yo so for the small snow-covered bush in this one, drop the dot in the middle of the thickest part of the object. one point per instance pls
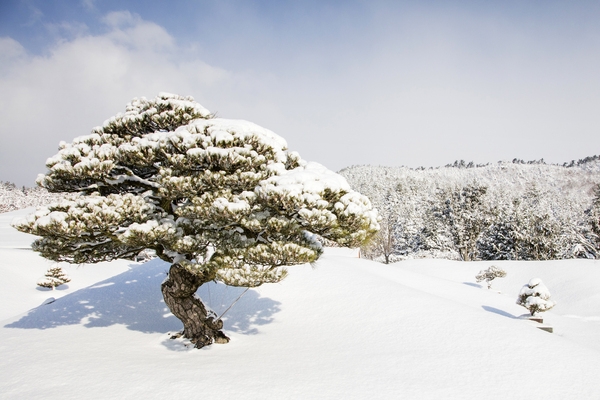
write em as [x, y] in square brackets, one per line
[535, 297]
[53, 278]
[490, 274]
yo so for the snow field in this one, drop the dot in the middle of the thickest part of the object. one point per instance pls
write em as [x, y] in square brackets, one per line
[346, 328]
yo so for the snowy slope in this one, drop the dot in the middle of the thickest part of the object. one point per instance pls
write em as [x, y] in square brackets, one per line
[348, 328]
[21, 268]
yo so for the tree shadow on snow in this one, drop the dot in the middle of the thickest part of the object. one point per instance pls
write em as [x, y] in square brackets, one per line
[243, 316]
[498, 311]
[134, 299]
[472, 284]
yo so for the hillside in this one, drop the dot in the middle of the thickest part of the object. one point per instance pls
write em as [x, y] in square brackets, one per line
[503, 211]
[348, 328]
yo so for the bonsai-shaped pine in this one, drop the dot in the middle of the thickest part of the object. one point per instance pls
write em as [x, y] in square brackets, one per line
[535, 297]
[490, 274]
[218, 199]
[53, 278]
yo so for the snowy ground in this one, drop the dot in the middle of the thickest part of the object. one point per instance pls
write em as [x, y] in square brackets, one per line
[347, 329]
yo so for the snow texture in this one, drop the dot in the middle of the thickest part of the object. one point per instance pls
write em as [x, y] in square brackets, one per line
[346, 328]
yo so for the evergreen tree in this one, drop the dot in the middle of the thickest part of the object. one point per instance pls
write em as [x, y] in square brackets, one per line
[53, 278]
[497, 242]
[538, 232]
[218, 199]
[464, 214]
[435, 235]
[410, 207]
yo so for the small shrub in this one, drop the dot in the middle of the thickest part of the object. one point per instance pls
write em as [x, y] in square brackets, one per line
[53, 278]
[490, 274]
[535, 297]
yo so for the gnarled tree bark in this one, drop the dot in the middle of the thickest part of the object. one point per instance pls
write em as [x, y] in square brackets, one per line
[200, 326]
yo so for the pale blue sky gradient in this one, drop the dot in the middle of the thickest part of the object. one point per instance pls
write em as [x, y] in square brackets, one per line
[353, 82]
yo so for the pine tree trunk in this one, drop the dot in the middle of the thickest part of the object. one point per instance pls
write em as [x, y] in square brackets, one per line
[200, 326]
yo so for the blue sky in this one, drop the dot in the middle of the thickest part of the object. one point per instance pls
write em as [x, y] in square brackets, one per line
[344, 82]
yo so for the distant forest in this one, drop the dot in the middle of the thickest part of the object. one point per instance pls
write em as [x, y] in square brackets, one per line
[14, 198]
[505, 211]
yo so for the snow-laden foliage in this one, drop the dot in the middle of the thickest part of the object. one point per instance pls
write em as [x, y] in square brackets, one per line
[535, 297]
[53, 278]
[224, 198]
[504, 211]
[490, 274]
[14, 198]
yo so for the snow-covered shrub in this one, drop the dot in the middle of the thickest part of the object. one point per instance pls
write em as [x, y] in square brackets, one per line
[535, 297]
[490, 274]
[53, 278]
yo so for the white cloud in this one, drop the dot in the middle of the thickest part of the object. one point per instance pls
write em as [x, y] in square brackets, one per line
[11, 52]
[65, 31]
[83, 81]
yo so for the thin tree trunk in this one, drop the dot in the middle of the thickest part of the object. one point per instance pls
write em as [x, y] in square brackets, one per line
[200, 326]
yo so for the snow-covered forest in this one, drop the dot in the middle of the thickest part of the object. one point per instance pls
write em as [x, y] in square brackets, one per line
[15, 198]
[506, 211]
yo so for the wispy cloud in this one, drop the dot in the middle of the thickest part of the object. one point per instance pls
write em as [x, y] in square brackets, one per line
[35, 14]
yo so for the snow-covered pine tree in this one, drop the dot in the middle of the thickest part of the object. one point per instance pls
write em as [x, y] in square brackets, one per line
[463, 212]
[53, 278]
[535, 297]
[490, 274]
[410, 205]
[538, 232]
[435, 236]
[497, 241]
[218, 199]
